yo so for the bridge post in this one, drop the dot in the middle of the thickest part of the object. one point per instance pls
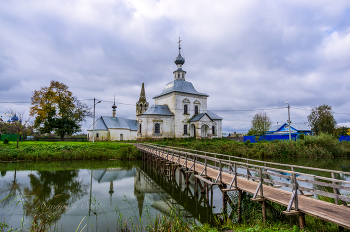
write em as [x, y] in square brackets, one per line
[195, 187]
[302, 221]
[239, 206]
[220, 172]
[248, 170]
[187, 175]
[335, 190]
[235, 173]
[263, 203]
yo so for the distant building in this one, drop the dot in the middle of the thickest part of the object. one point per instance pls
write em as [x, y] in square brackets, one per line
[113, 128]
[294, 129]
[14, 119]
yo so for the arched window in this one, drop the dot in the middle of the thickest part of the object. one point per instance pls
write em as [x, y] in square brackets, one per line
[185, 109]
[178, 75]
[140, 129]
[213, 129]
[185, 129]
[141, 108]
[196, 110]
[157, 128]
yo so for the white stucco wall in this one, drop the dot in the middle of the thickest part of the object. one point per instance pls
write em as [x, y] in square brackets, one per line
[148, 126]
[113, 134]
[175, 102]
[99, 135]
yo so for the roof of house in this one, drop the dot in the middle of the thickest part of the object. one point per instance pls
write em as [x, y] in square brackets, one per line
[107, 122]
[158, 110]
[295, 127]
[181, 86]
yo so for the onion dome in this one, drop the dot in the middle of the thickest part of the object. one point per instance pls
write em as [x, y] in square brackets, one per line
[179, 59]
[14, 119]
[114, 107]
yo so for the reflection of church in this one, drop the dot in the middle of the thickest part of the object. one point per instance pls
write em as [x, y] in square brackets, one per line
[144, 188]
[179, 111]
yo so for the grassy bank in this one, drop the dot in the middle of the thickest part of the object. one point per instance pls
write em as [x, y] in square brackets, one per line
[40, 151]
[251, 220]
[311, 147]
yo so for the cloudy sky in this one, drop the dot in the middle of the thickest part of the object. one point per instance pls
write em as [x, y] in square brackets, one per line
[250, 56]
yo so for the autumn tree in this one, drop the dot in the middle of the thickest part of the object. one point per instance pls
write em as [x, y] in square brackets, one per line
[321, 119]
[260, 124]
[56, 110]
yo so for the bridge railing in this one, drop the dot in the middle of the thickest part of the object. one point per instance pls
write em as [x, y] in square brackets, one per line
[261, 173]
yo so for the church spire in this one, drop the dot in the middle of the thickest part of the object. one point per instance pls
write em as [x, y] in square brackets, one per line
[142, 104]
[142, 94]
[114, 107]
[179, 74]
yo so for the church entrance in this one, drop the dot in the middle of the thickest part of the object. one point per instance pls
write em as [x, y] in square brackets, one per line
[204, 131]
[193, 130]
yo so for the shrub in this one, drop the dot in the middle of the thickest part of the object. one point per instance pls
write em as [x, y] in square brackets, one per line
[6, 141]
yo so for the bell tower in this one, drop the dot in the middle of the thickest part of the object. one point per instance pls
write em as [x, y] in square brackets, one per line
[114, 107]
[179, 73]
[142, 104]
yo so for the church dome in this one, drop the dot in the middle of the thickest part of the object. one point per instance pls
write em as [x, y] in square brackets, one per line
[14, 119]
[179, 59]
[181, 86]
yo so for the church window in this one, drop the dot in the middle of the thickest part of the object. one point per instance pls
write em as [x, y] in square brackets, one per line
[185, 109]
[141, 108]
[213, 128]
[96, 135]
[140, 129]
[178, 75]
[185, 129]
[196, 110]
[157, 128]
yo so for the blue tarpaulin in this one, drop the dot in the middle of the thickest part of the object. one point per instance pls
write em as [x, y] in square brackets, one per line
[344, 138]
[270, 137]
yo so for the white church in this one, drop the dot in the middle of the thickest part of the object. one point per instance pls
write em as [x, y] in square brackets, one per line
[179, 111]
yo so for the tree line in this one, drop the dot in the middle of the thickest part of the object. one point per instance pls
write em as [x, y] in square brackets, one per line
[321, 120]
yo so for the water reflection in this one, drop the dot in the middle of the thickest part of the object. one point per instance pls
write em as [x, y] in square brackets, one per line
[51, 194]
[61, 199]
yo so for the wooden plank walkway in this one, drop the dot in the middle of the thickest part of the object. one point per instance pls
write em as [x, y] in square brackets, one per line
[337, 214]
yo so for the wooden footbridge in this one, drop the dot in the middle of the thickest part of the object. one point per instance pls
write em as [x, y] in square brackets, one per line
[261, 179]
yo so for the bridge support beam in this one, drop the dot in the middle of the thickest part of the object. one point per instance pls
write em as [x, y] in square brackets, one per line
[302, 221]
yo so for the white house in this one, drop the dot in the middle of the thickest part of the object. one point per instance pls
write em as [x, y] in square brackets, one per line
[113, 128]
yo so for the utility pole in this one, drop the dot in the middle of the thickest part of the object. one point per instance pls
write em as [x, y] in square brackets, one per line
[93, 123]
[290, 137]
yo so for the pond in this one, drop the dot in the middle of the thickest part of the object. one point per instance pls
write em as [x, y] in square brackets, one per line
[68, 197]
[102, 195]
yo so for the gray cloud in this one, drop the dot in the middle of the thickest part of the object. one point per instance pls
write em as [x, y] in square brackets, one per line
[245, 55]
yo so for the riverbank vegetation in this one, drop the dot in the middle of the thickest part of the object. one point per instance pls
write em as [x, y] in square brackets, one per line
[250, 220]
[40, 151]
[320, 146]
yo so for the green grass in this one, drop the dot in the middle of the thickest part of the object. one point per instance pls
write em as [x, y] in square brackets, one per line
[311, 147]
[41, 151]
